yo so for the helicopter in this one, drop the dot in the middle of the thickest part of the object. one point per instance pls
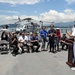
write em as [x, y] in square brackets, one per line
[28, 25]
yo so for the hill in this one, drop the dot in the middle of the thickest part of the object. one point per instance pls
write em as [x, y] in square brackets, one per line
[61, 24]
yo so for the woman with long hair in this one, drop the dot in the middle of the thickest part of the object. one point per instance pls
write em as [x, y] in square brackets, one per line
[4, 36]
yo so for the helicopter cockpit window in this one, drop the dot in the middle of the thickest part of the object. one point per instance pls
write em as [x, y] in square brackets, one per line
[19, 26]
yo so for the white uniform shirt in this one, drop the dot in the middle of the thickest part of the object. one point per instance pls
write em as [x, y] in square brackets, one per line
[23, 39]
[73, 33]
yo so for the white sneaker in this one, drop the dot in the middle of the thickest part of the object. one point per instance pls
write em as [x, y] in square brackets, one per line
[20, 50]
[73, 68]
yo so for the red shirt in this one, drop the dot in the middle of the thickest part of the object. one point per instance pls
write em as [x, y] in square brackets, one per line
[58, 34]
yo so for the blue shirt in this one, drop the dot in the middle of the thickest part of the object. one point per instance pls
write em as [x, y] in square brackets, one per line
[43, 32]
[33, 38]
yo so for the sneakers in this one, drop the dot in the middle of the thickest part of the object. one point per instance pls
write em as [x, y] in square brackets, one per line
[20, 50]
[73, 68]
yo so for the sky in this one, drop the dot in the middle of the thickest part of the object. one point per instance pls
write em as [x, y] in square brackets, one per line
[45, 10]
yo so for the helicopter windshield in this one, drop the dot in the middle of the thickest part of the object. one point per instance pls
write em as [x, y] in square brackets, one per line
[19, 26]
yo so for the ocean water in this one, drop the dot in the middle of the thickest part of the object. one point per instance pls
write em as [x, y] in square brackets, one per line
[64, 31]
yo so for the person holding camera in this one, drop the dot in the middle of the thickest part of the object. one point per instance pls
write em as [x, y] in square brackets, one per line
[51, 35]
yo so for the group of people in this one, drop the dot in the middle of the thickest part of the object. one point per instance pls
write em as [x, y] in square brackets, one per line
[52, 37]
[55, 38]
[21, 41]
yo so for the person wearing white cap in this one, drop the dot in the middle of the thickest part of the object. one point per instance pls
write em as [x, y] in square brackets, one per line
[58, 36]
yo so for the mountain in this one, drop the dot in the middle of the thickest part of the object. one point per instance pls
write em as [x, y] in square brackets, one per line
[65, 24]
[62, 24]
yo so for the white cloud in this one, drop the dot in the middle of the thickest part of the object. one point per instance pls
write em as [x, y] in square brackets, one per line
[67, 15]
[14, 2]
[7, 19]
[4, 19]
[70, 1]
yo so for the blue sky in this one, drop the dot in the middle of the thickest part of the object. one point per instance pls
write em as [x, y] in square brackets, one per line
[47, 10]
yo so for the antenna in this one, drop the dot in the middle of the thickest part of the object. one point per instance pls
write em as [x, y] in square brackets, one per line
[19, 19]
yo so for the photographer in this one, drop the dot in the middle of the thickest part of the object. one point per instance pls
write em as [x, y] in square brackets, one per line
[51, 35]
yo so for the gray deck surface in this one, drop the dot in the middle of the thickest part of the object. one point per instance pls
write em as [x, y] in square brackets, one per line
[43, 63]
